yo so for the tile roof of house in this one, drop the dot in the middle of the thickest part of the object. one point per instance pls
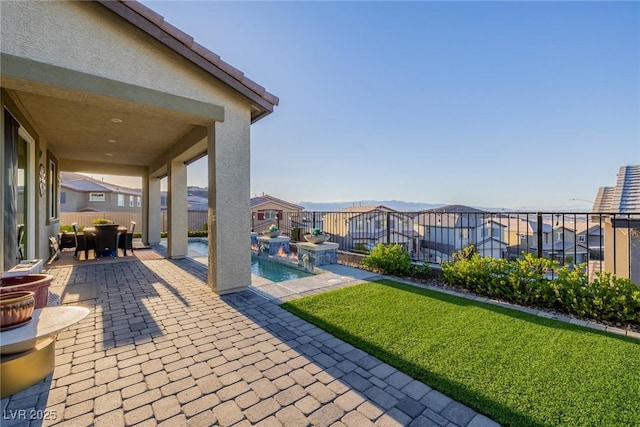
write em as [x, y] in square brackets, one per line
[84, 183]
[369, 208]
[454, 209]
[154, 24]
[624, 197]
[265, 198]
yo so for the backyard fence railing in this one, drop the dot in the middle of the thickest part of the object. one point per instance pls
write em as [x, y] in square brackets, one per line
[603, 241]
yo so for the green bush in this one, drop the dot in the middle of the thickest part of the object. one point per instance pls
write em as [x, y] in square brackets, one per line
[420, 271]
[66, 229]
[524, 281]
[389, 259]
[197, 233]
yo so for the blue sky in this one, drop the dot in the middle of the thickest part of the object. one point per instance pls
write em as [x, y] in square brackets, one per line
[502, 104]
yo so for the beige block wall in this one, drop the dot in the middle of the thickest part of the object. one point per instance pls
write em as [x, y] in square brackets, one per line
[620, 263]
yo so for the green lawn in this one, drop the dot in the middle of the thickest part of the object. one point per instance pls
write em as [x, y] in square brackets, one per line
[518, 369]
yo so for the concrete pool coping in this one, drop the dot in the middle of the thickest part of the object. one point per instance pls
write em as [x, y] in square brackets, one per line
[331, 276]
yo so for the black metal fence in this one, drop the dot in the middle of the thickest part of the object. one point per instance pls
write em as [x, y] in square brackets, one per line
[604, 241]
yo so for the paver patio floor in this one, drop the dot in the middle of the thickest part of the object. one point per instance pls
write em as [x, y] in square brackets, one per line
[159, 348]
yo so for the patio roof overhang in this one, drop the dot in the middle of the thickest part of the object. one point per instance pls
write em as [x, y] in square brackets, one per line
[105, 126]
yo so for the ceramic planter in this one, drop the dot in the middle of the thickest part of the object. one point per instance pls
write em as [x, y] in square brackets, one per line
[316, 238]
[36, 283]
[15, 309]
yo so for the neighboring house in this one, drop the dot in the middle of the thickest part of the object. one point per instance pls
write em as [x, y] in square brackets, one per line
[620, 206]
[79, 193]
[364, 227]
[569, 243]
[267, 210]
[110, 87]
[448, 229]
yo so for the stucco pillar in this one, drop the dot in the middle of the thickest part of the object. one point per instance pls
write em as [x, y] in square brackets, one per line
[229, 219]
[151, 219]
[177, 210]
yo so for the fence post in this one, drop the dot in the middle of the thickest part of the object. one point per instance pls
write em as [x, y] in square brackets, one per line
[314, 220]
[539, 221]
[388, 228]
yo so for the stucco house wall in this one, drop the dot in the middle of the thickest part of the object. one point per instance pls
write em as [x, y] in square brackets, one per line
[87, 37]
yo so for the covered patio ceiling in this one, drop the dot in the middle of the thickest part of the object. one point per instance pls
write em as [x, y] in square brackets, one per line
[104, 126]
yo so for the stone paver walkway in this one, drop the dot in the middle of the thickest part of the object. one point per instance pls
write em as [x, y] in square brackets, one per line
[159, 348]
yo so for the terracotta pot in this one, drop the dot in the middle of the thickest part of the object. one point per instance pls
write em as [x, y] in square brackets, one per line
[36, 283]
[15, 308]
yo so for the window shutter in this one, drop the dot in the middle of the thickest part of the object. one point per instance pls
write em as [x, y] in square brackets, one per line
[279, 214]
[260, 215]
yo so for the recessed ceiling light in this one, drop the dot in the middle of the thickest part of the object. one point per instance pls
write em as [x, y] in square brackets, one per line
[108, 154]
[116, 120]
[112, 140]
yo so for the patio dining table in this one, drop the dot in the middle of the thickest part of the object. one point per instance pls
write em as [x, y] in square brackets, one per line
[88, 235]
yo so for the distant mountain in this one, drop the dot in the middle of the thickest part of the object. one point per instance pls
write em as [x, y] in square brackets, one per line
[393, 204]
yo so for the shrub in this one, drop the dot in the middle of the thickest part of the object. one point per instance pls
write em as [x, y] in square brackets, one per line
[420, 271]
[607, 297]
[524, 281]
[389, 259]
[197, 233]
[66, 229]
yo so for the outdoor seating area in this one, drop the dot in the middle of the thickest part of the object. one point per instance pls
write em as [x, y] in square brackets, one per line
[104, 240]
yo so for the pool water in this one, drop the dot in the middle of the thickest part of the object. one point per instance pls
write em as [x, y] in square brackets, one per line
[273, 271]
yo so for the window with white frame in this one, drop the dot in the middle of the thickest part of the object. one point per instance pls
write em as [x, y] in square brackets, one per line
[464, 233]
[523, 236]
[359, 224]
[96, 197]
[120, 199]
[130, 201]
[560, 236]
[582, 238]
[270, 214]
[138, 201]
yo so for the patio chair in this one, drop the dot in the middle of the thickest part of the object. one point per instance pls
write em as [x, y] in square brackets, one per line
[107, 240]
[126, 239]
[83, 242]
[20, 241]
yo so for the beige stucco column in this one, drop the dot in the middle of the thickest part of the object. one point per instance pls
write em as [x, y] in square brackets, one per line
[177, 210]
[151, 219]
[229, 222]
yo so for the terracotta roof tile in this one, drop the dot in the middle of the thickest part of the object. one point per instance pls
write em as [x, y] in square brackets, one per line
[176, 32]
[143, 10]
[197, 48]
[205, 53]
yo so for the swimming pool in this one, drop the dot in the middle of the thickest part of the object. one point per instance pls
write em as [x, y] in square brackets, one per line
[275, 271]
[270, 270]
